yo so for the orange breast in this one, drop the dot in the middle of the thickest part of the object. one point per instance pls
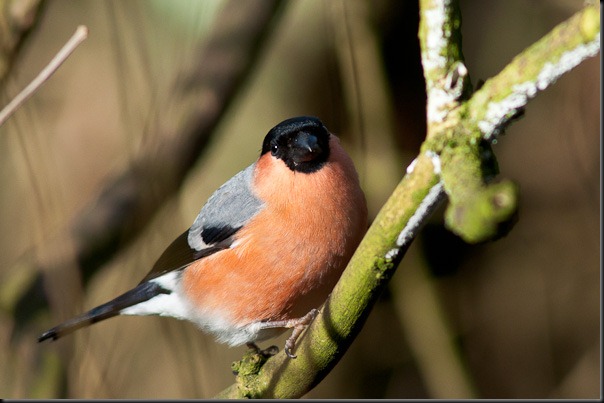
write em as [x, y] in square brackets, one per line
[287, 259]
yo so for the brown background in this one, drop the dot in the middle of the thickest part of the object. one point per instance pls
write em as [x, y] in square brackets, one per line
[522, 313]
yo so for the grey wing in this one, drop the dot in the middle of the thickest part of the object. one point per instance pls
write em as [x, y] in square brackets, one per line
[226, 211]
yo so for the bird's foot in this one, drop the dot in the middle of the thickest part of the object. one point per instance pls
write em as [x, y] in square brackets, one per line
[298, 324]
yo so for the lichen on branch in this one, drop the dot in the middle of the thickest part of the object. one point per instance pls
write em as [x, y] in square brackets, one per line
[456, 159]
[478, 210]
[502, 97]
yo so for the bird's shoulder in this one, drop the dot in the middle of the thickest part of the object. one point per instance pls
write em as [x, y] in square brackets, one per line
[229, 208]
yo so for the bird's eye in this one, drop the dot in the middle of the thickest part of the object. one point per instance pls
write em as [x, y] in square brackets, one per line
[274, 148]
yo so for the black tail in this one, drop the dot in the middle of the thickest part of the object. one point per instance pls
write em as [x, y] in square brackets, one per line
[141, 293]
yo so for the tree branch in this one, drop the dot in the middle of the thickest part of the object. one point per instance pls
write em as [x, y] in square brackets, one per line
[480, 210]
[76, 39]
[446, 76]
[450, 143]
[503, 97]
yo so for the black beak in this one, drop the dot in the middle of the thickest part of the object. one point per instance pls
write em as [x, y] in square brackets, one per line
[306, 147]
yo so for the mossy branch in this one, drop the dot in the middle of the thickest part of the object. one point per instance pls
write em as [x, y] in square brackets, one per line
[480, 210]
[503, 97]
[452, 160]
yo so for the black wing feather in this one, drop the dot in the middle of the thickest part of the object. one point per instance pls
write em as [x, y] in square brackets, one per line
[215, 235]
[179, 255]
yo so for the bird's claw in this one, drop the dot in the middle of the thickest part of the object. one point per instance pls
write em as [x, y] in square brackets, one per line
[299, 327]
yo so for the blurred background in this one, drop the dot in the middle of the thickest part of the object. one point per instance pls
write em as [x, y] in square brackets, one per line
[113, 158]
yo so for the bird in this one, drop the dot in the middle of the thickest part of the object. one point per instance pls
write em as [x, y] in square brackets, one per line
[265, 250]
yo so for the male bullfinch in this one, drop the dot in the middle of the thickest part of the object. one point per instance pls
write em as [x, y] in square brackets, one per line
[265, 250]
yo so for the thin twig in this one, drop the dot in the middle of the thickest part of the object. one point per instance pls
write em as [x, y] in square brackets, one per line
[78, 37]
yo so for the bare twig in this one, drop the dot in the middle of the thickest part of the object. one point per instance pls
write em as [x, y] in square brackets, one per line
[77, 38]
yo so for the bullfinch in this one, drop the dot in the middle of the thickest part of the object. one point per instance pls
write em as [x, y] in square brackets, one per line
[265, 250]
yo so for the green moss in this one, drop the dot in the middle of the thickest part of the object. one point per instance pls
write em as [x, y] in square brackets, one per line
[246, 371]
[382, 266]
[417, 197]
[488, 214]
[477, 210]
[590, 23]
